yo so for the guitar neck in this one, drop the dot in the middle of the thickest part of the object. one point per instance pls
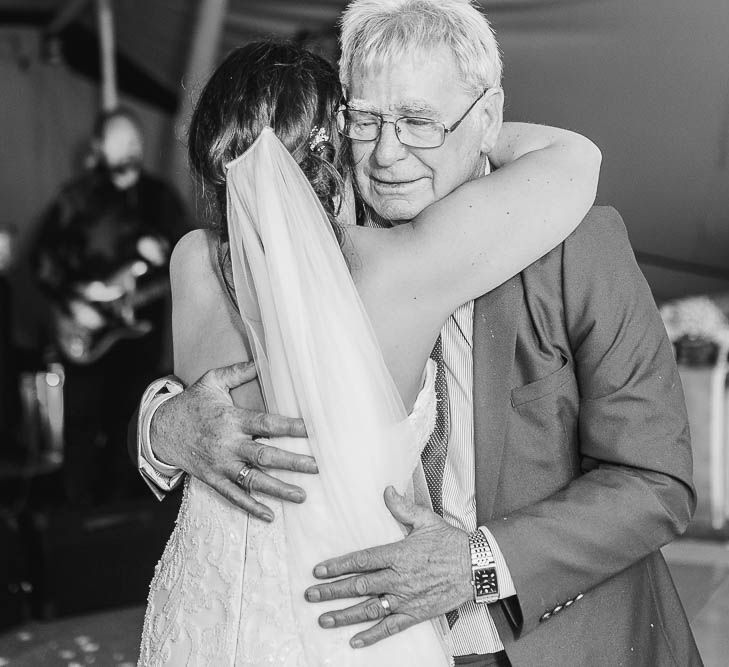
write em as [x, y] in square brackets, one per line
[149, 293]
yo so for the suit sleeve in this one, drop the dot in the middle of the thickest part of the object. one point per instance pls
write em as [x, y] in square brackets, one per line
[635, 493]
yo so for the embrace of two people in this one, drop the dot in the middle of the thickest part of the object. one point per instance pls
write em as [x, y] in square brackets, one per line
[464, 439]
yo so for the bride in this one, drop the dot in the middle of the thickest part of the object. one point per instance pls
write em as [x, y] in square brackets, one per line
[340, 320]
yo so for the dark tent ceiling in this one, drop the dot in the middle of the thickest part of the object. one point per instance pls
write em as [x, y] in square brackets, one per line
[153, 36]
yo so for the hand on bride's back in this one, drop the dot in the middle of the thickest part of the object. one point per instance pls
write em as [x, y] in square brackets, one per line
[202, 432]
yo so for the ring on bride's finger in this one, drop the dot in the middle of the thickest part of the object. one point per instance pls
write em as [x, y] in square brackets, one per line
[385, 604]
[240, 478]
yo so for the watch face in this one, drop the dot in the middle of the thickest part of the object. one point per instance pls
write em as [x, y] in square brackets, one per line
[485, 581]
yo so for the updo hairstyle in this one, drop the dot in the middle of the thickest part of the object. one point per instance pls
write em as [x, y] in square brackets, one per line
[267, 84]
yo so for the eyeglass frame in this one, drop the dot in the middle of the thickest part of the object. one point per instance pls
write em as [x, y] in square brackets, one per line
[446, 130]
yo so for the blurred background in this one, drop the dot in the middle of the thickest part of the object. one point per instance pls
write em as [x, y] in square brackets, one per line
[648, 81]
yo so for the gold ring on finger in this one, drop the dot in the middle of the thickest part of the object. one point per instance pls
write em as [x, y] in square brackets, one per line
[385, 604]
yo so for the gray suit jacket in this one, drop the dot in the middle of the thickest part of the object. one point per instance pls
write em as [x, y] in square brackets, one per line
[583, 456]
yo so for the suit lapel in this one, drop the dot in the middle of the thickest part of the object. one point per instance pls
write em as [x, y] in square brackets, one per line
[495, 317]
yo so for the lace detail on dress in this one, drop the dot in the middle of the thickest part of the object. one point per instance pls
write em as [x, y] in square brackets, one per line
[220, 593]
[194, 599]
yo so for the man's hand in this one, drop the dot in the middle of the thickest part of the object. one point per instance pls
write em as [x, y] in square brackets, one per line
[202, 432]
[424, 575]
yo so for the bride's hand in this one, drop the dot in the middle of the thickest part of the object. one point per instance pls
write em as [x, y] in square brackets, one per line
[426, 574]
[202, 432]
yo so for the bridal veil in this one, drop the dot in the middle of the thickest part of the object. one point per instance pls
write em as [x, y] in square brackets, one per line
[318, 358]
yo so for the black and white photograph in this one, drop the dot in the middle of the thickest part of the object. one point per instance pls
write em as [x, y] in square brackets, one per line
[364, 333]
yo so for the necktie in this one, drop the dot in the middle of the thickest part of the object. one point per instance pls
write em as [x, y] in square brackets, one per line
[434, 453]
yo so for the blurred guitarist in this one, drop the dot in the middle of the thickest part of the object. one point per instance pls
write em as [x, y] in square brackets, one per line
[102, 258]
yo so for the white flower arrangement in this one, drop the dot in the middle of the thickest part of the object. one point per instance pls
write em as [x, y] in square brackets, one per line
[695, 317]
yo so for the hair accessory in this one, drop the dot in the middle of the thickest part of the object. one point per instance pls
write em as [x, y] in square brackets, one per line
[317, 137]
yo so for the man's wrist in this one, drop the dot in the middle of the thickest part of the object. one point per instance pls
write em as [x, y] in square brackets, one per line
[154, 442]
[156, 428]
[463, 582]
[160, 476]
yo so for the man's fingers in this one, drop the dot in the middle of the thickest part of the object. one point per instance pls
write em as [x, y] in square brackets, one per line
[388, 626]
[352, 587]
[367, 560]
[261, 482]
[230, 377]
[369, 610]
[237, 496]
[272, 426]
[267, 456]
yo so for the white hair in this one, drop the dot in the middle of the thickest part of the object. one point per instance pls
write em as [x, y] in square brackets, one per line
[379, 31]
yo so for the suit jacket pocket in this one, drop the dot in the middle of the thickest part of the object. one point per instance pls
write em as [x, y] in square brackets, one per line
[542, 444]
[543, 386]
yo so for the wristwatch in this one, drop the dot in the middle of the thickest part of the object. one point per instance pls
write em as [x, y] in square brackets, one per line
[483, 569]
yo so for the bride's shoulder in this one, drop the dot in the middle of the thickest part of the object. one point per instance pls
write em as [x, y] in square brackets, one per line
[194, 258]
[193, 264]
[206, 328]
[194, 251]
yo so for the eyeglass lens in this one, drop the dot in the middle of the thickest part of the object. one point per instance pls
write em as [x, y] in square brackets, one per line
[366, 126]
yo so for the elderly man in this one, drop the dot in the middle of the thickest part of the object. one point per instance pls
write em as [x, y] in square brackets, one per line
[568, 460]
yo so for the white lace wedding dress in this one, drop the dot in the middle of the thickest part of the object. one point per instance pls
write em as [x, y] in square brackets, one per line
[229, 589]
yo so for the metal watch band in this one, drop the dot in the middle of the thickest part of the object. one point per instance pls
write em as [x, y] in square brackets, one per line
[483, 569]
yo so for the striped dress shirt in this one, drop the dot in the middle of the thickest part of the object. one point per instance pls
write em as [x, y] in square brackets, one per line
[474, 631]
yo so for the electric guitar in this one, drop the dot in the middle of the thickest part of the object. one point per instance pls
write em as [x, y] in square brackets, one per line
[100, 313]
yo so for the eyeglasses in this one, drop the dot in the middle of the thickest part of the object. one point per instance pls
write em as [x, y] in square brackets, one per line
[410, 131]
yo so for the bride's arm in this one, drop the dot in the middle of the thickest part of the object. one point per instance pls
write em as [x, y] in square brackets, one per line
[515, 140]
[491, 228]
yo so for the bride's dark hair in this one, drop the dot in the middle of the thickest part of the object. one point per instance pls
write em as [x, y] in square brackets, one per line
[267, 84]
